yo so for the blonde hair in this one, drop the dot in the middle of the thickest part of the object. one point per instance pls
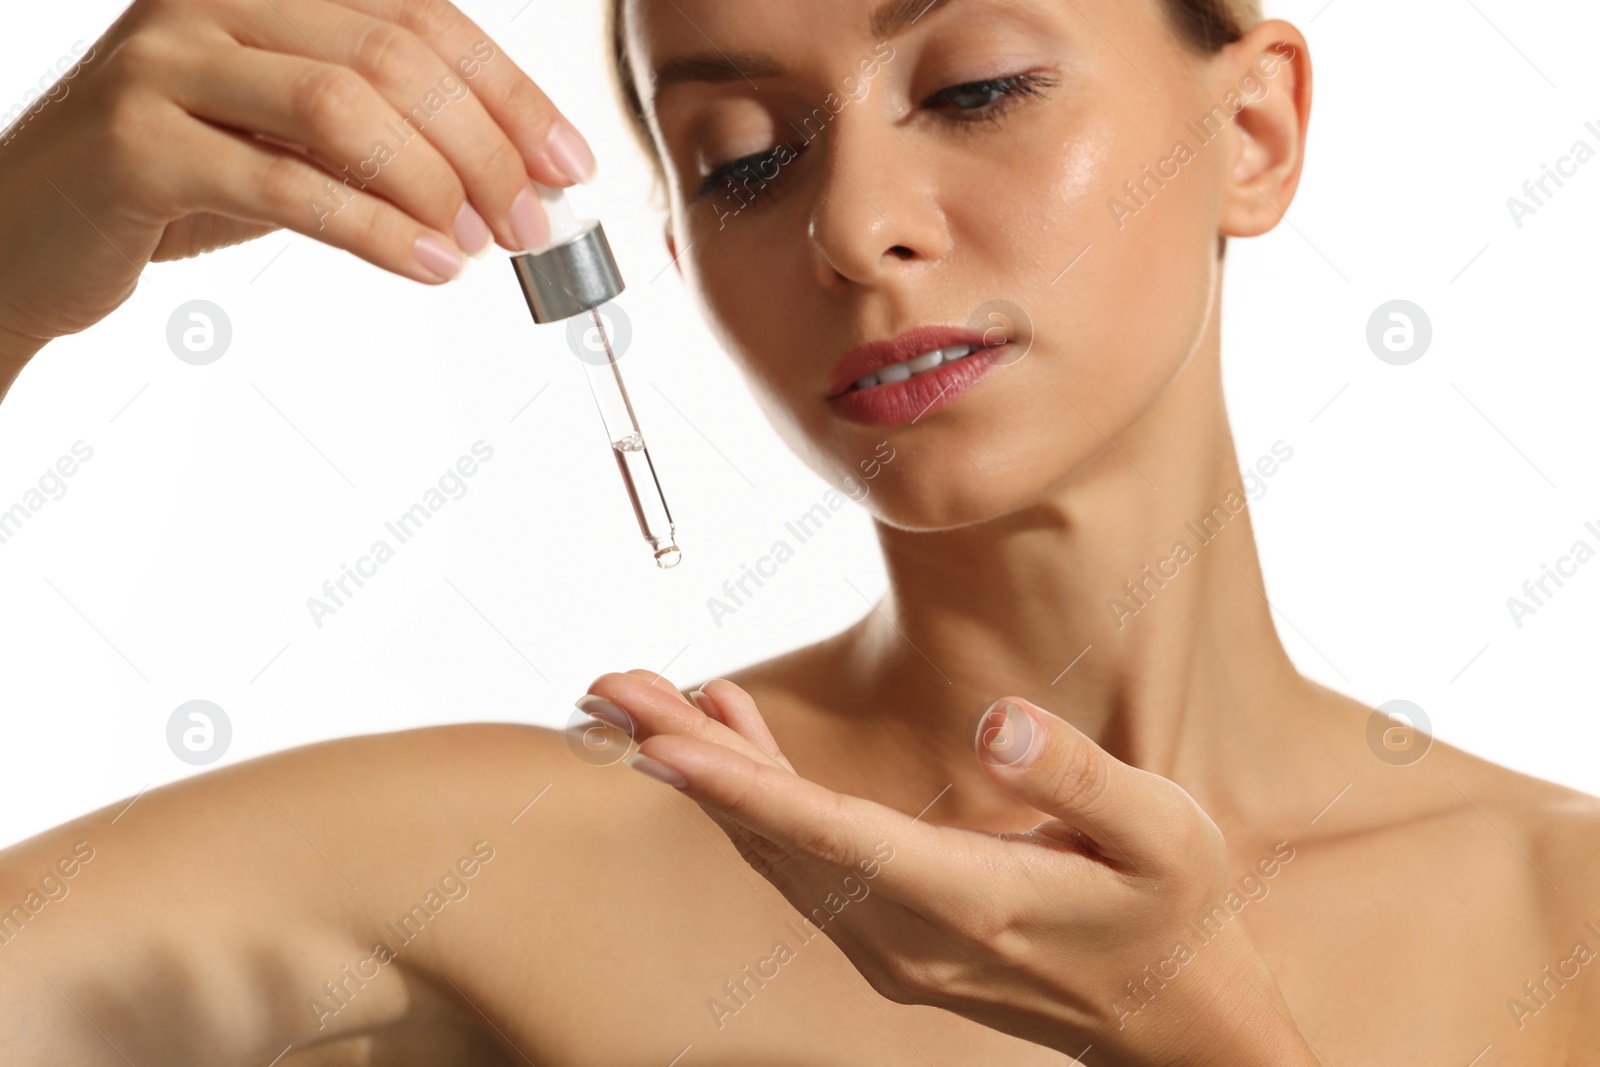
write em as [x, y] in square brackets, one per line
[1204, 25]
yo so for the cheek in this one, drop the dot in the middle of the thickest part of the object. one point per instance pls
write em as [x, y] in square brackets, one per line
[746, 319]
[1121, 322]
[751, 294]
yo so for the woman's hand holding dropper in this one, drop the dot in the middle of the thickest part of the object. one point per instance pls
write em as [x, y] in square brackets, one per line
[394, 129]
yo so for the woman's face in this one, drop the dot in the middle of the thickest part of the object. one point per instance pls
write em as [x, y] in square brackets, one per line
[844, 171]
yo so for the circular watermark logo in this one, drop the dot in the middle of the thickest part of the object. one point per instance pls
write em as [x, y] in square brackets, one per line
[1399, 333]
[583, 336]
[199, 732]
[601, 738]
[1005, 735]
[1399, 733]
[1007, 331]
[199, 332]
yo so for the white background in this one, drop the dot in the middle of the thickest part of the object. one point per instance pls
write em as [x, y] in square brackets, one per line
[219, 498]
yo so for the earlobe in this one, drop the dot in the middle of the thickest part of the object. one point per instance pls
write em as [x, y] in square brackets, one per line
[1270, 67]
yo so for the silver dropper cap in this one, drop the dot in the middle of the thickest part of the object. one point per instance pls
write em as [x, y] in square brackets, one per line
[573, 277]
[577, 275]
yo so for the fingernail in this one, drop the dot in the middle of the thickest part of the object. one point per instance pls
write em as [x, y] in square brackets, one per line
[529, 225]
[471, 232]
[604, 710]
[438, 257]
[1007, 736]
[656, 769]
[707, 706]
[570, 152]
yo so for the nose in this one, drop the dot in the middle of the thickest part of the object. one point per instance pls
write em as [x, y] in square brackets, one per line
[876, 215]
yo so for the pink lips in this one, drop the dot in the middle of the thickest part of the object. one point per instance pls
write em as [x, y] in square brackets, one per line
[897, 403]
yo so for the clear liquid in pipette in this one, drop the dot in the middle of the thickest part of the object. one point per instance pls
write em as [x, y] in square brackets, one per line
[633, 460]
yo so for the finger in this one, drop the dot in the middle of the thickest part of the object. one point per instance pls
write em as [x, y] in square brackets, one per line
[552, 149]
[810, 825]
[430, 103]
[656, 679]
[734, 708]
[245, 178]
[616, 716]
[699, 699]
[342, 121]
[1131, 816]
[646, 709]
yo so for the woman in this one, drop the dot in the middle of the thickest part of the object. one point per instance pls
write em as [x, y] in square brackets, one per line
[1206, 859]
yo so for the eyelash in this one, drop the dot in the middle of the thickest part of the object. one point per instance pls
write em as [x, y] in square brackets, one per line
[1012, 90]
[747, 169]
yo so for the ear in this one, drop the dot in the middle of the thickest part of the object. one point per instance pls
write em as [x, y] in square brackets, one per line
[1269, 69]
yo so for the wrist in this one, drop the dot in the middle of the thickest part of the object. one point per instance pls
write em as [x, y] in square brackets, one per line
[1226, 1010]
[1255, 1028]
[15, 351]
[1269, 1040]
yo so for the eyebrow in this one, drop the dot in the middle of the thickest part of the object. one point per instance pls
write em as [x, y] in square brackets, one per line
[888, 20]
[718, 66]
[898, 16]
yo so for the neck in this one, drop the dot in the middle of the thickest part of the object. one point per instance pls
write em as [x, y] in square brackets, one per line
[1128, 600]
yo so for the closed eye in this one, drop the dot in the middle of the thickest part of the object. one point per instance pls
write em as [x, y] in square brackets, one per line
[987, 100]
[753, 172]
[979, 101]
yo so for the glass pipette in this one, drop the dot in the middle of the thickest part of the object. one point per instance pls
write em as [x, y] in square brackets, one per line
[576, 275]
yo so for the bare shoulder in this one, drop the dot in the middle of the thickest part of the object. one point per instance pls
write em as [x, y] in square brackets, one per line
[1562, 828]
[276, 876]
[567, 789]
[1557, 826]
[344, 824]
[1556, 830]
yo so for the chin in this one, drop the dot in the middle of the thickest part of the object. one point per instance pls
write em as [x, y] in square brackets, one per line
[999, 450]
[969, 491]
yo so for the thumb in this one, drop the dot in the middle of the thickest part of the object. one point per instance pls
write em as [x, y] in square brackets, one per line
[1054, 767]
